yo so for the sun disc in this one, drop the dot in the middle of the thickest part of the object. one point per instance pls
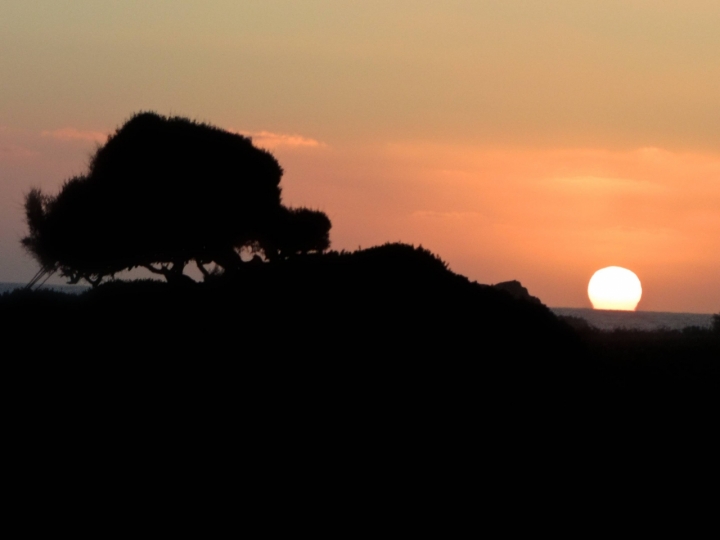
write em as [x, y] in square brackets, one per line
[615, 288]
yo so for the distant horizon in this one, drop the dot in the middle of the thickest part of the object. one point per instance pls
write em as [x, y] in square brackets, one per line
[586, 308]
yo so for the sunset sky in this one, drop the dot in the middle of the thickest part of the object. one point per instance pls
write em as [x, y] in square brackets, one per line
[517, 139]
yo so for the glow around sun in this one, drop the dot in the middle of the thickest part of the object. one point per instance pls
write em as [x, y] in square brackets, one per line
[615, 288]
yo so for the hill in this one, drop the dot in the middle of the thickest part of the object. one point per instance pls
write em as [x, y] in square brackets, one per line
[375, 316]
[383, 331]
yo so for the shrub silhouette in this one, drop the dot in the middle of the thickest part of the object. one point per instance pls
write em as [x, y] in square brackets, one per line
[163, 192]
[301, 231]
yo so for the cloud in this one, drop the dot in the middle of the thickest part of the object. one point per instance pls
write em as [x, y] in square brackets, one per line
[268, 139]
[265, 139]
[72, 134]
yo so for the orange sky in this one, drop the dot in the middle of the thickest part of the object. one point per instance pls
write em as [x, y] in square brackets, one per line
[537, 141]
[549, 218]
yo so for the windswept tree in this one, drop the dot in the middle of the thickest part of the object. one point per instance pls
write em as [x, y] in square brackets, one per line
[163, 192]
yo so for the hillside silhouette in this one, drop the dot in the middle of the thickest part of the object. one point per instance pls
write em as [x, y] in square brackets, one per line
[380, 328]
[366, 366]
[392, 319]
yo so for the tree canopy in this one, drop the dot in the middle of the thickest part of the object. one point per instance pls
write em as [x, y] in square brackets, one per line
[163, 192]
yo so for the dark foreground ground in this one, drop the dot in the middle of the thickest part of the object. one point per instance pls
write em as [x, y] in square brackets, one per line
[376, 360]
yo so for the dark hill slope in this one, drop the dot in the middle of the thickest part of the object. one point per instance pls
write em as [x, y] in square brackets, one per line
[386, 303]
[390, 320]
[354, 367]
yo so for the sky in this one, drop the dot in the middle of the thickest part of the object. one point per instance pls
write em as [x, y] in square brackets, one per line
[517, 139]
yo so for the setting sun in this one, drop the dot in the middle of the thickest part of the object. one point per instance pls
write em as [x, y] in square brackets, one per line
[615, 288]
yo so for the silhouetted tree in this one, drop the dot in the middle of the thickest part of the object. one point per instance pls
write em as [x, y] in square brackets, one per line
[162, 192]
[301, 231]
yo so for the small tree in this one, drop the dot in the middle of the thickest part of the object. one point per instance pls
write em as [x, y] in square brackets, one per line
[160, 193]
[301, 231]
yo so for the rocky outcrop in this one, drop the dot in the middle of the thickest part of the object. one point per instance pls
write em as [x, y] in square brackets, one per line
[516, 290]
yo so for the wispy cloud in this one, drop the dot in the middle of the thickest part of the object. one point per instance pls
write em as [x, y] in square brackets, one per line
[73, 134]
[265, 139]
[268, 139]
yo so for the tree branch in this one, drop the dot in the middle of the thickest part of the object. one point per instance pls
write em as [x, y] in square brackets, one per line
[163, 271]
[203, 270]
